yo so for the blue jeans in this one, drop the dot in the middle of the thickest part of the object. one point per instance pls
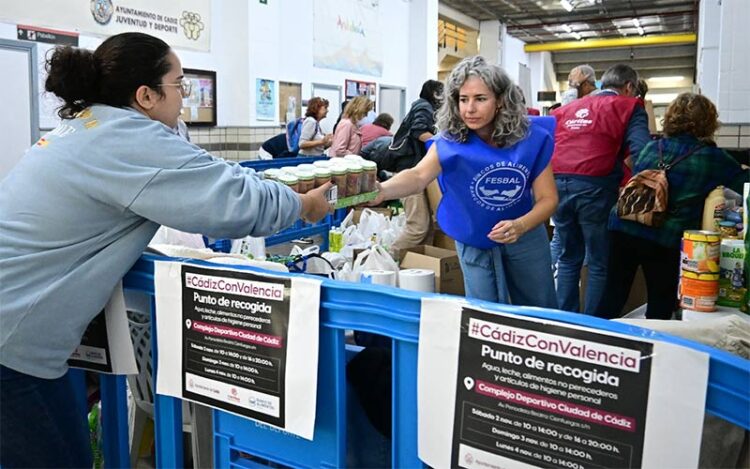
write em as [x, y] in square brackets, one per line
[581, 222]
[41, 423]
[519, 273]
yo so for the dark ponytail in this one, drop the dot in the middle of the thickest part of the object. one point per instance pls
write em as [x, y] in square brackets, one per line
[110, 75]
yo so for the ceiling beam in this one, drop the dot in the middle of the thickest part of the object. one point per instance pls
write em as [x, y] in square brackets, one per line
[638, 64]
[590, 20]
[623, 54]
[616, 42]
[689, 73]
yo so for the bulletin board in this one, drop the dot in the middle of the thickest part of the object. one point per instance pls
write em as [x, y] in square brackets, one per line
[199, 108]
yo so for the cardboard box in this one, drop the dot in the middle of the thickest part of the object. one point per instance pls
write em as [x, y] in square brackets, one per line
[442, 240]
[434, 195]
[448, 275]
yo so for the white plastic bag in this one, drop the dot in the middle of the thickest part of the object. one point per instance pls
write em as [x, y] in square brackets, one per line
[249, 247]
[375, 258]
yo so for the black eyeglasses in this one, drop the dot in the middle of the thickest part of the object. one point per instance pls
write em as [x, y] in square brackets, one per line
[185, 85]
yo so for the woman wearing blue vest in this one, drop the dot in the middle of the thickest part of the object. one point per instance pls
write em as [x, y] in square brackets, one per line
[494, 169]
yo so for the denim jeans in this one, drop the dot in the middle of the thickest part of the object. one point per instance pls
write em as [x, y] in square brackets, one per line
[519, 273]
[581, 222]
[42, 423]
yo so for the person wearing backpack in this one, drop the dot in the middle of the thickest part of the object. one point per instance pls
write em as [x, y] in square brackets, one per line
[592, 136]
[693, 166]
[312, 141]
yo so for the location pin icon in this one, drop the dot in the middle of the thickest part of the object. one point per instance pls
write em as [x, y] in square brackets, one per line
[188, 323]
[469, 382]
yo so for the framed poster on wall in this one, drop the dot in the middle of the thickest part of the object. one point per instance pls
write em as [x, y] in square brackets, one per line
[199, 108]
[265, 100]
[290, 101]
[354, 88]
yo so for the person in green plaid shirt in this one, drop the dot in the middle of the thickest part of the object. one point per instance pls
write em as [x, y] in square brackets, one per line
[689, 124]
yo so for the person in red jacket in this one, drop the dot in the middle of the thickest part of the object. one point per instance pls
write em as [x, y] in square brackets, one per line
[592, 136]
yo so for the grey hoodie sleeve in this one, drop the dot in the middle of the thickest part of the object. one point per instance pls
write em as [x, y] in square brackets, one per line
[189, 190]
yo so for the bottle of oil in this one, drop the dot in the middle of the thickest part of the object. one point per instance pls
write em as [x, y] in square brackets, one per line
[712, 209]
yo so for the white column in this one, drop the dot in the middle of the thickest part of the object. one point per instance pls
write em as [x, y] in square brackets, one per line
[489, 41]
[423, 45]
[723, 60]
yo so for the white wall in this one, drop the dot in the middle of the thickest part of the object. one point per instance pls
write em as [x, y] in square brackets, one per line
[543, 76]
[723, 62]
[250, 40]
[513, 54]
[281, 47]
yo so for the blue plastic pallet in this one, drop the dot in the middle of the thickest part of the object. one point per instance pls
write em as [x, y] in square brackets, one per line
[262, 165]
[393, 313]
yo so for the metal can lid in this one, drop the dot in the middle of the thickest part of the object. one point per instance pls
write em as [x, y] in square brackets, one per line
[702, 235]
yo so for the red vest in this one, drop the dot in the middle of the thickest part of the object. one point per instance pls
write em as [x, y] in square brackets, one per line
[589, 134]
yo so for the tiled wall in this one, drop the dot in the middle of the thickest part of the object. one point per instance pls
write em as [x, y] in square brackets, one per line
[733, 136]
[233, 143]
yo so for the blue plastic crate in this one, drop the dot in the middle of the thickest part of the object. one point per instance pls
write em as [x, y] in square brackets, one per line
[393, 313]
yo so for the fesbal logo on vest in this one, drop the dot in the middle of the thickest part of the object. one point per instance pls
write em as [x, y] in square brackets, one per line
[580, 121]
[499, 185]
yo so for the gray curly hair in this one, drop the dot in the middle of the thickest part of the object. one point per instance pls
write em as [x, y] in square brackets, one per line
[511, 122]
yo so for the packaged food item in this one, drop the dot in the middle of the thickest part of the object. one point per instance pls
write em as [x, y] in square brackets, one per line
[700, 251]
[713, 209]
[728, 229]
[369, 176]
[322, 176]
[306, 181]
[271, 173]
[338, 177]
[353, 179]
[699, 292]
[733, 280]
[290, 181]
[322, 164]
[289, 170]
[306, 167]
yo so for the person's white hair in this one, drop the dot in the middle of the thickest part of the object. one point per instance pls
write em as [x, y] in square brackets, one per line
[587, 71]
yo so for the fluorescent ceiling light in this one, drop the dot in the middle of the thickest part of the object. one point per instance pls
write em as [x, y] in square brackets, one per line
[636, 23]
[663, 79]
[567, 5]
[567, 28]
[641, 31]
[577, 35]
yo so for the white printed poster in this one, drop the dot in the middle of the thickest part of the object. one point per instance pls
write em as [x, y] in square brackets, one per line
[504, 391]
[239, 341]
[346, 36]
[106, 346]
[180, 23]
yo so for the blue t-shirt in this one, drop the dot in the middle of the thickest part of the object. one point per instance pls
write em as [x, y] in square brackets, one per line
[483, 185]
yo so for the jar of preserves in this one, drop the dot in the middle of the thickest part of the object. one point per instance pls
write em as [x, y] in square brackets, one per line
[353, 179]
[306, 167]
[271, 174]
[322, 176]
[306, 181]
[369, 176]
[338, 177]
[290, 181]
[322, 164]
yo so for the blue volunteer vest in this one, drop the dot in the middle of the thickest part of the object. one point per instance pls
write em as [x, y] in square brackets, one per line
[483, 185]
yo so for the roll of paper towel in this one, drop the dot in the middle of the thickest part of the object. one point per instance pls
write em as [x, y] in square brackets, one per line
[379, 277]
[417, 280]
